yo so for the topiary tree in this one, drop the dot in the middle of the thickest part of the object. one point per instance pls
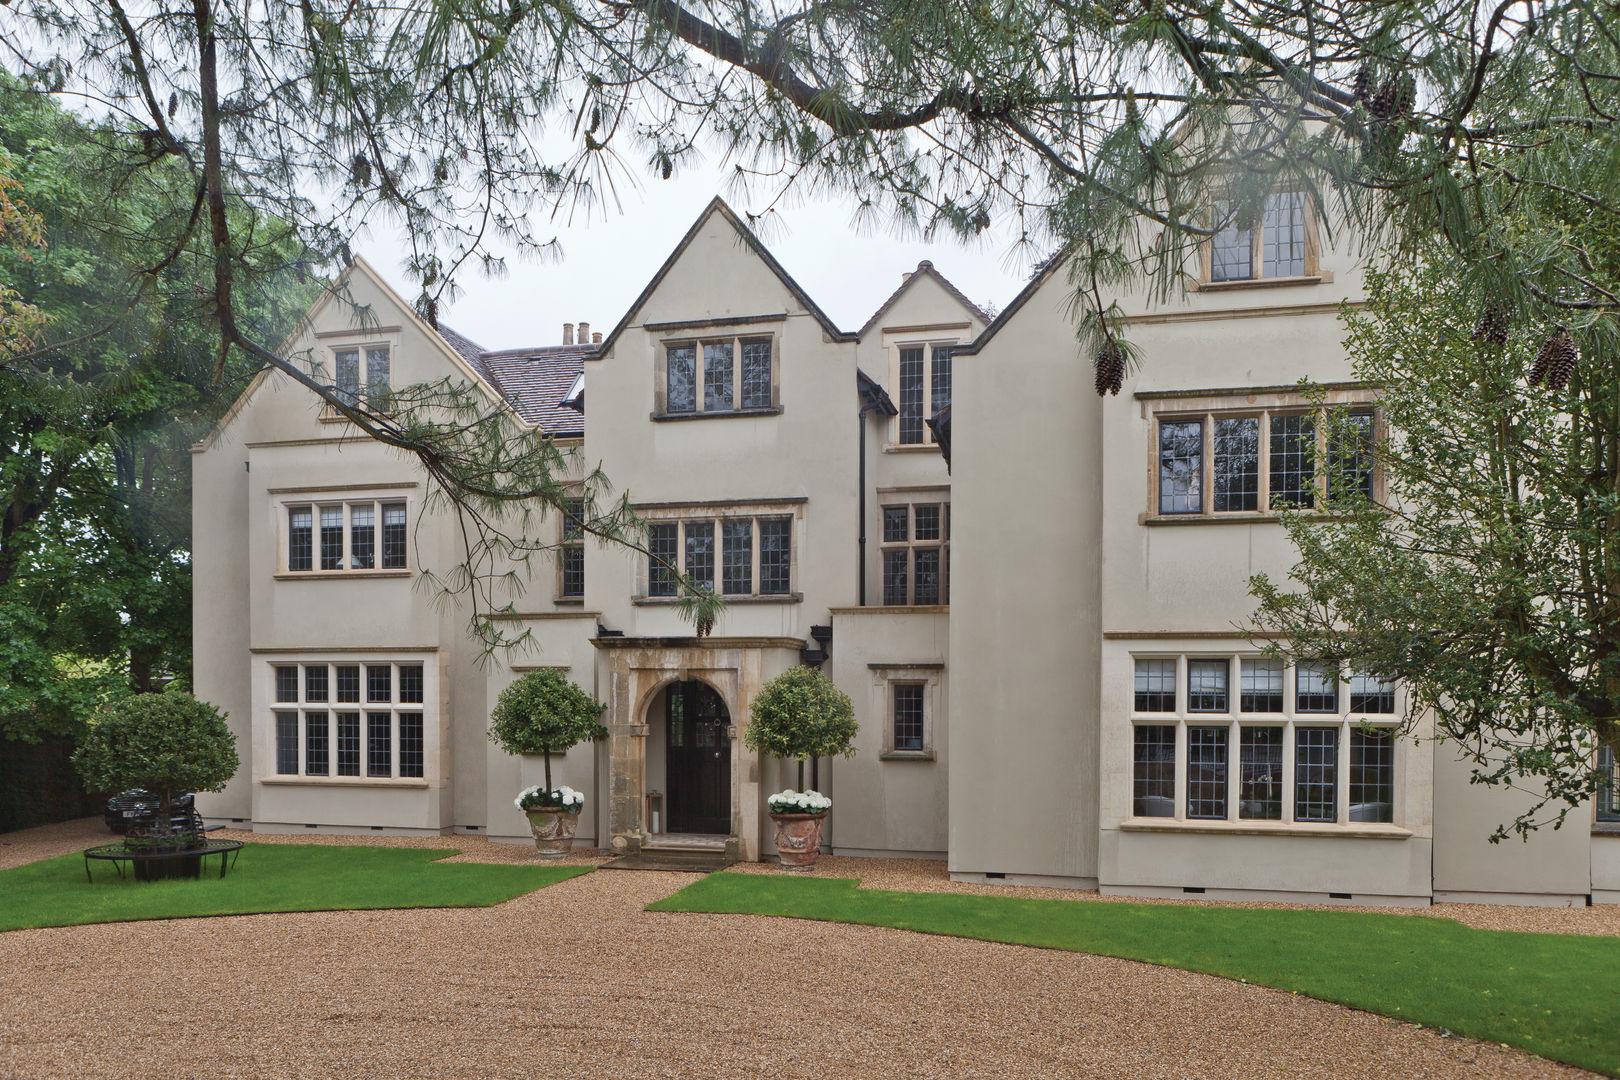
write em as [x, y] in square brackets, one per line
[543, 713]
[801, 714]
[164, 743]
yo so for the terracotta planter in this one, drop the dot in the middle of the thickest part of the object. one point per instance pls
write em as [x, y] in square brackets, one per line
[798, 839]
[553, 831]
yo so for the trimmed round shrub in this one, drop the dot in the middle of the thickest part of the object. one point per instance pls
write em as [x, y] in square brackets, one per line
[545, 713]
[164, 743]
[800, 714]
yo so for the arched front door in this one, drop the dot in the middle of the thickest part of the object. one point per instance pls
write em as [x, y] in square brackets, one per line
[698, 760]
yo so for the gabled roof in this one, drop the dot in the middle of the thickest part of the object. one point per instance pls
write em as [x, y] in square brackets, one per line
[924, 269]
[718, 205]
[1043, 272]
[538, 381]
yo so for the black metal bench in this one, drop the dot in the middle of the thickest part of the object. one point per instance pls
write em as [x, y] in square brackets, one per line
[118, 854]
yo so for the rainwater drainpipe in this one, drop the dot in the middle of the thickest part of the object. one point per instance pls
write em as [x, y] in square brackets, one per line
[860, 576]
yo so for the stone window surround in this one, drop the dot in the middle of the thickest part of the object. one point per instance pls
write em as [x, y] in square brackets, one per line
[1211, 405]
[334, 342]
[565, 542]
[931, 676]
[284, 499]
[1314, 274]
[735, 335]
[926, 339]
[263, 735]
[1290, 718]
[722, 510]
[910, 497]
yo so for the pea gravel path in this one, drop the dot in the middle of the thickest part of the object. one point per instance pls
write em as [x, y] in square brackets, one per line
[577, 981]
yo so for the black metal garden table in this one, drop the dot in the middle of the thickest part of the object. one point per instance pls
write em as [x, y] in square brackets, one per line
[118, 854]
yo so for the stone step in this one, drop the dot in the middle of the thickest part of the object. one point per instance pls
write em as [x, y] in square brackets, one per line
[686, 861]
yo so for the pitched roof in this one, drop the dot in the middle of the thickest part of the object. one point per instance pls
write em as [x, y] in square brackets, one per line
[537, 381]
[1043, 273]
[924, 269]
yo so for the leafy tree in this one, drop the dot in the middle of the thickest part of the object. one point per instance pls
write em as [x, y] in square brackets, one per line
[165, 743]
[801, 714]
[1489, 582]
[544, 712]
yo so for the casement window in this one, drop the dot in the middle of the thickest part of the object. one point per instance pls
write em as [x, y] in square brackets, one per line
[909, 697]
[1216, 464]
[1297, 743]
[734, 555]
[362, 373]
[1279, 245]
[1608, 789]
[350, 719]
[718, 375]
[367, 534]
[916, 553]
[923, 388]
[571, 551]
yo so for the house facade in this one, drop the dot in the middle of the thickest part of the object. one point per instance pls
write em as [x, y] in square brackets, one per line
[1040, 635]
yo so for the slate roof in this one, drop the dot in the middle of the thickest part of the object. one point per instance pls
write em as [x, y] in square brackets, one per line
[535, 380]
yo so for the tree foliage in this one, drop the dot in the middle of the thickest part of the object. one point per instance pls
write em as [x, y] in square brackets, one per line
[1489, 582]
[801, 714]
[545, 712]
[165, 743]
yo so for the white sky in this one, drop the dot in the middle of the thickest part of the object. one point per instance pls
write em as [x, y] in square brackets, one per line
[606, 263]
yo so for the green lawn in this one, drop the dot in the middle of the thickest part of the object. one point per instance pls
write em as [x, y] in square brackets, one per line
[266, 877]
[1555, 995]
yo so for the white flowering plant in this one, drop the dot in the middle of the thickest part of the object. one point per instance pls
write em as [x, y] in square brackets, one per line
[539, 797]
[799, 802]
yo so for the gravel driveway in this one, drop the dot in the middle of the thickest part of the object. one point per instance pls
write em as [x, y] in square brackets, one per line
[577, 981]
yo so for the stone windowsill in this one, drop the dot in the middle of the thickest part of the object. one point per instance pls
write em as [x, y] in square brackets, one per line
[718, 414]
[328, 575]
[907, 755]
[1325, 278]
[1358, 830]
[770, 598]
[1606, 828]
[911, 448]
[408, 784]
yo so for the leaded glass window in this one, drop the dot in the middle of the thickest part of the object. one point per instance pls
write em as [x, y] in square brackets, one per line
[410, 684]
[717, 377]
[661, 543]
[1231, 250]
[908, 716]
[1260, 773]
[363, 536]
[1275, 247]
[1206, 685]
[896, 576]
[1154, 771]
[896, 524]
[1237, 463]
[1350, 455]
[348, 683]
[377, 374]
[1206, 771]
[348, 744]
[700, 553]
[287, 742]
[1155, 686]
[1282, 239]
[1371, 694]
[681, 379]
[316, 740]
[379, 744]
[393, 516]
[1316, 688]
[1181, 466]
[571, 556]
[379, 682]
[300, 538]
[1293, 468]
[911, 395]
[1608, 788]
[1316, 773]
[925, 563]
[410, 744]
[1262, 686]
[347, 362]
[315, 682]
[916, 554]
[756, 374]
[286, 683]
[331, 538]
[737, 555]
[940, 379]
[775, 555]
[1372, 774]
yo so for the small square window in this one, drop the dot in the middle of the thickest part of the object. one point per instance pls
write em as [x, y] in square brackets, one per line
[1370, 694]
[315, 685]
[1316, 688]
[287, 683]
[1206, 685]
[379, 682]
[1155, 686]
[1262, 690]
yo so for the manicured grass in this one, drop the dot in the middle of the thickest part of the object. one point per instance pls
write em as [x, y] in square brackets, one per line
[266, 877]
[1555, 995]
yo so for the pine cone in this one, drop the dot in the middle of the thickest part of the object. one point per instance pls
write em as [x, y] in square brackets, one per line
[1493, 325]
[1110, 368]
[1405, 97]
[1383, 102]
[705, 625]
[1557, 359]
[1363, 85]
[362, 170]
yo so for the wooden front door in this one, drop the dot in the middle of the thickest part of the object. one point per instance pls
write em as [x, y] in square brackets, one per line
[698, 759]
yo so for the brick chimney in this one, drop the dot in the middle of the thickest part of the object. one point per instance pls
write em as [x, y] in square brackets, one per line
[596, 338]
[584, 334]
[568, 333]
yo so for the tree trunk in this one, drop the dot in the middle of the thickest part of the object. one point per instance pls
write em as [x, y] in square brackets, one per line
[801, 774]
[545, 753]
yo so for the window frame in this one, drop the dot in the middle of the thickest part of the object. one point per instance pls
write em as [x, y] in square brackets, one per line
[1263, 408]
[910, 500]
[885, 678]
[1313, 273]
[570, 544]
[716, 517]
[928, 344]
[700, 343]
[1235, 720]
[268, 718]
[286, 500]
[329, 412]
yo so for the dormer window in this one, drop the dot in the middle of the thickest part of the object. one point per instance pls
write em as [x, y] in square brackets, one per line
[1279, 246]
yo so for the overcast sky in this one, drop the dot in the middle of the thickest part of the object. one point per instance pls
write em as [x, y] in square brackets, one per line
[606, 263]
